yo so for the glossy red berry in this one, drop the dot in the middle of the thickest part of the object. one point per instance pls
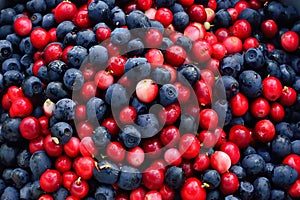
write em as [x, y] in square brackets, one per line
[102, 33]
[164, 16]
[208, 119]
[229, 183]
[241, 29]
[82, 20]
[203, 92]
[52, 52]
[153, 194]
[65, 11]
[146, 90]
[264, 131]
[166, 192]
[293, 160]
[152, 147]
[232, 150]
[201, 162]
[197, 13]
[144, 4]
[22, 26]
[45, 197]
[155, 57]
[192, 189]
[233, 44]
[84, 166]
[51, 147]
[169, 114]
[153, 38]
[189, 146]
[103, 79]
[172, 156]
[288, 96]
[36, 144]
[112, 126]
[250, 42]
[202, 50]
[39, 38]
[272, 88]
[260, 108]
[169, 136]
[207, 138]
[71, 148]
[79, 188]
[115, 152]
[290, 41]
[63, 163]
[175, 55]
[87, 147]
[135, 156]
[50, 180]
[116, 65]
[21, 107]
[30, 128]
[269, 28]
[239, 105]
[218, 51]
[68, 178]
[277, 112]
[220, 161]
[294, 190]
[138, 194]
[153, 179]
[240, 135]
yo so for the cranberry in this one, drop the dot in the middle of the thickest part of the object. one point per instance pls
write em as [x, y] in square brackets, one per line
[30, 128]
[201, 162]
[115, 152]
[127, 115]
[240, 135]
[218, 51]
[184, 92]
[146, 90]
[22, 26]
[260, 108]
[159, 164]
[82, 20]
[155, 57]
[102, 33]
[233, 44]
[207, 138]
[272, 88]
[277, 112]
[144, 4]
[239, 105]
[14, 93]
[250, 42]
[84, 166]
[153, 179]
[44, 124]
[288, 96]
[175, 55]
[80, 112]
[172, 156]
[222, 34]
[64, 58]
[232, 150]
[112, 126]
[21, 107]
[116, 65]
[63, 163]
[152, 194]
[202, 50]
[241, 5]
[152, 147]
[6, 102]
[212, 4]
[169, 136]
[103, 79]
[255, 4]
[68, 178]
[71, 148]
[192, 189]
[52, 35]
[203, 92]
[197, 13]
[208, 119]
[221, 136]
[84, 129]
[65, 11]
[193, 32]
[88, 91]
[45, 197]
[164, 16]
[211, 38]
[135, 156]
[170, 114]
[294, 190]
[290, 41]
[210, 13]
[52, 52]
[36, 144]
[269, 28]
[241, 29]
[79, 188]
[50, 180]
[264, 131]
[189, 146]
[87, 147]
[37, 65]
[153, 38]
[229, 183]
[220, 161]
[51, 147]
[166, 192]
[186, 3]
[138, 194]
[293, 160]
[39, 38]
[233, 14]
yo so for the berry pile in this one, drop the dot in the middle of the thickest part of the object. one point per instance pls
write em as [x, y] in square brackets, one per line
[154, 100]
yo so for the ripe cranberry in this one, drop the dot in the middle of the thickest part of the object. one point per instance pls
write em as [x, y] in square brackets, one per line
[72, 198]
[192, 189]
[37, 65]
[6, 102]
[169, 136]
[277, 112]
[289, 41]
[288, 96]
[152, 147]
[233, 44]
[218, 51]
[229, 183]
[241, 5]
[71, 148]
[112, 126]
[210, 13]
[79, 188]
[82, 20]
[153, 194]
[52, 34]
[116, 65]
[68, 178]
[197, 13]
[208, 119]
[221, 34]
[144, 4]
[138, 194]
[166, 192]
[211, 38]
[87, 147]
[30, 128]
[201, 162]
[64, 58]
[84, 166]
[184, 92]
[207, 138]
[250, 42]
[220, 135]
[270, 47]
[22, 26]
[239, 105]
[14, 93]
[212, 4]
[189, 146]
[294, 190]
[233, 14]
[169, 114]
[127, 115]
[173, 157]
[52, 52]
[241, 29]
[269, 28]
[203, 92]
[103, 79]
[45, 197]
[50, 180]
[208, 77]
[36, 144]
[202, 50]
[88, 90]
[175, 55]
[65, 11]
[102, 34]
[172, 70]
[153, 38]
[150, 13]
[293, 160]
[44, 124]
[39, 38]
[51, 148]
[135, 156]
[220, 161]
[155, 57]
[194, 32]
[186, 3]
[21, 107]
[255, 4]
[264, 131]
[63, 163]
[240, 135]
[159, 164]
[164, 16]
[232, 150]
[272, 88]
[112, 49]
[80, 112]
[153, 179]
[146, 90]
[260, 108]
[84, 129]
[115, 152]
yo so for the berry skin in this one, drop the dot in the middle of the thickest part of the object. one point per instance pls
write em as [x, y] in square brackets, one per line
[201, 162]
[63, 163]
[264, 131]
[288, 96]
[146, 90]
[115, 151]
[269, 28]
[175, 55]
[290, 41]
[189, 146]
[260, 108]
[241, 29]
[272, 88]
[39, 38]
[30, 128]
[277, 112]
[79, 188]
[229, 183]
[65, 11]
[239, 105]
[21, 107]
[192, 189]
[232, 150]
[84, 166]
[202, 50]
[233, 44]
[197, 13]
[240, 135]
[208, 119]
[50, 180]
[220, 161]
[22, 26]
[164, 16]
[153, 179]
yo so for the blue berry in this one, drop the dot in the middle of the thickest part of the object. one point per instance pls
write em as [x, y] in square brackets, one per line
[222, 18]
[175, 177]
[101, 137]
[77, 55]
[106, 172]
[160, 75]
[19, 177]
[11, 64]
[262, 188]
[61, 193]
[137, 68]
[239, 171]
[118, 17]
[190, 73]
[105, 192]
[98, 55]
[13, 77]
[135, 47]
[96, 109]
[168, 94]
[250, 83]
[181, 20]
[48, 21]
[284, 176]
[246, 190]
[99, 11]
[148, 125]
[86, 38]
[212, 178]
[39, 163]
[10, 193]
[281, 146]
[230, 85]
[130, 136]
[62, 131]
[130, 178]
[56, 70]
[63, 28]
[56, 91]
[254, 164]
[6, 49]
[26, 46]
[65, 109]
[254, 58]
[32, 86]
[73, 79]
[10, 130]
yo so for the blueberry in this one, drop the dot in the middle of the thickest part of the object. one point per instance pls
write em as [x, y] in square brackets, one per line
[101, 137]
[35, 190]
[188, 124]
[96, 109]
[10, 130]
[99, 11]
[231, 197]
[39, 162]
[130, 136]
[272, 68]
[157, 25]
[116, 95]
[239, 171]
[25, 191]
[284, 176]
[26, 60]
[177, 7]
[6, 30]
[250, 83]
[55, 91]
[287, 74]
[13, 77]
[296, 147]
[15, 40]
[130, 178]
[10, 193]
[11, 64]
[19, 8]
[253, 164]
[77, 55]
[61, 193]
[7, 15]
[164, 3]
[181, 20]
[160, 75]
[2, 87]
[48, 21]
[62, 131]
[222, 107]
[73, 79]
[86, 38]
[264, 152]
[166, 42]
[105, 192]
[26, 46]
[277, 194]
[56, 70]
[148, 125]
[2, 186]
[252, 16]
[65, 109]
[189, 72]
[175, 177]
[6, 49]
[32, 86]
[246, 190]
[39, 6]
[279, 56]
[70, 39]
[6, 175]
[268, 170]
[254, 58]
[23, 159]
[137, 68]
[262, 188]
[135, 47]
[118, 17]
[224, 4]
[168, 94]
[213, 195]
[8, 155]
[106, 172]
[281, 146]
[229, 84]
[98, 55]
[296, 27]
[284, 128]
[222, 18]
[212, 178]
[139, 106]
[36, 19]
[231, 66]
[237, 121]
[63, 28]
[185, 42]
[19, 177]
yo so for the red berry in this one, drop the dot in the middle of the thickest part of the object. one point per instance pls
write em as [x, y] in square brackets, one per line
[202, 50]
[39, 38]
[166, 192]
[221, 136]
[233, 14]
[293, 160]
[50, 180]
[6, 102]
[212, 4]
[233, 44]
[52, 52]
[211, 38]
[222, 34]
[277, 112]
[269, 28]
[112, 126]
[82, 20]
[51, 147]
[201, 162]
[22, 26]
[260, 108]
[65, 11]
[203, 92]
[240, 135]
[175, 55]
[155, 57]
[84, 166]
[164, 16]
[229, 183]
[115, 152]
[87, 147]
[138, 194]
[79, 188]
[153, 179]
[250, 42]
[88, 90]
[146, 90]
[71, 148]
[241, 5]
[239, 105]
[264, 131]
[241, 29]
[84, 129]
[144, 4]
[153, 38]
[152, 147]
[102, 33]
[172, 156]
[187, 166]
[21, 107]
[127, 115]
[290, 41]
[184, 92]
[169, 136]
[194, 32]
[169, 114]
[63, 163]
[14, 93]
[37, 65]
[36, 144]
[232, 150]
[116, 65]
[30, 128]
[288, 96]
[208, 119]
[153, 195]
[189, 146]
[68, 178]
[272, 88]
[197, 13]
[103, 79]
[220, 161]
[52, 35]
[192, 189]
[207, 138]
[45, 197]
[135, 156]
[294, 190]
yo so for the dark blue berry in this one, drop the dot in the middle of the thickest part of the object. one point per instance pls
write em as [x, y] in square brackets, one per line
[61, 193]
[281, 146]
[181, 20]
[160, 75]
[246, 190]
[190, 73]
[56, 70]
[86, 38]
[96, 109]
[26, 46]
[10, 193]
[39, 162]
[188, 124]
[11, 64]
[284, 176]
[254, 58]
[262, 188]
[77, 55]
[32, 86]
[130, 136]
[250, 83]
[73, 79]
[116, 95]
[63, 28]
[19, 177]
[139, 106]
[130, 178]
[62, 131]
[101, 137]
[212, 178]
[118, 17]
[137, 68]
[10, 130]
[148, 125]
[254, 164]
[6, 49]
[105, 192]
[252, 16]
[98, 55]
[222, 18]
[175, 177]
[229, 84]
[106, 172]
[65, 109]
[239, 171]
[23, 159]
[135, 47]
[38, 6]
[99, 11]
[55, 91]
[48, 21]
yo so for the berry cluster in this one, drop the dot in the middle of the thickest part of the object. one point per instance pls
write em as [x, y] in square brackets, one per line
[142, 99]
